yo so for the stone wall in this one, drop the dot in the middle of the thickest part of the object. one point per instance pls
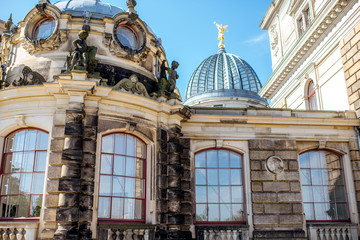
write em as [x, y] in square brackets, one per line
[350, 51]
[276, 198]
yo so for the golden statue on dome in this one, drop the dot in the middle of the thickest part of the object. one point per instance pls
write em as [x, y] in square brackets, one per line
[222, 30]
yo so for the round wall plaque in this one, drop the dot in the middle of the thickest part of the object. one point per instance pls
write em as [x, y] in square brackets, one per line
[275, 164]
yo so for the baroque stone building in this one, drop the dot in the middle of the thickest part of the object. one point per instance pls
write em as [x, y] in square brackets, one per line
[96, 143]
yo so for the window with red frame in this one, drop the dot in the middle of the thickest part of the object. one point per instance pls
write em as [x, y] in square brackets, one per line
[122, 178]
[323, 187]
[311, 96]
[22, 173]
[219, 186]
[44, 28]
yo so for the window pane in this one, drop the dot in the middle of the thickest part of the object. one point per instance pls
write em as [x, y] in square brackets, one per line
[213, 194]
[200, 160]
[342, 211]
[104, 207]
[201, 212]
[30, 140]
[138, 209]
[130, 166]
[237, 194]
[130, 146]
[305, 177]
[319, 177]
[45, 29]
[140, 193]
[238, 212]
[28, 161]
[322, 211]
[129, 208]
[106, 164]
[200, 176]
[140, 149]
[212, 177]
[8, 163]
[130, 187]
[42, 140]
[235, 160]
[40, 161]
[117, 208]
[35, 206]
[224, 176]
[105, 185]
[214, 212]
[201, 194]
[118, 186]
[340, 195]
[16, 162]
[9, 143]
[337, 177]
[119, 165]
[25, 183]
[107, 144]
[307, 194]
[320, 194]
[19, 140]
[223, 159]
[225, 195]
[5, 184]
[139, 168]
[12, 206]
[38, 183]
[3, 206]
[304, 160]
[235, 177]
[212, 161]
[120, 143]
[14, 183]
[225, 212]
[23, 206]
[309, 211]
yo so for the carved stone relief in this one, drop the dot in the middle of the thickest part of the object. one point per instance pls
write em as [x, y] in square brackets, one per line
[274, 39]
[275, 165]
[131, 84]
[53, 41]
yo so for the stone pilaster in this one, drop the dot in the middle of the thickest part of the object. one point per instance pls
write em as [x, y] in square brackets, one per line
[276, 198]
[173, 181]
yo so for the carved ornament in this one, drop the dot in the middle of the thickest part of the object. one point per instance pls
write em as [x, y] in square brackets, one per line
[133, 85]
[118, 49]
[28, 77]
[275, 165]
[53, 42]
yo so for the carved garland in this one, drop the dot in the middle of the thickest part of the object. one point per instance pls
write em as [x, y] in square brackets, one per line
[118, 49]
[52, 42]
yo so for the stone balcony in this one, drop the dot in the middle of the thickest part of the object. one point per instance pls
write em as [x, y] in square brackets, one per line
[332, 231]
[114, 231]
[222, 232]
[19, 230]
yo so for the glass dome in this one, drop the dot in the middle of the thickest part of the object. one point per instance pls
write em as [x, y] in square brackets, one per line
[97, 8]
[223, 75]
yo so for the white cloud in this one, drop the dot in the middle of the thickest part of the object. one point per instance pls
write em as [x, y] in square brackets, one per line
[257, 39]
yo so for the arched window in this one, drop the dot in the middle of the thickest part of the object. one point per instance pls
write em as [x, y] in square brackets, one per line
[219, 187]
[323, 186]
[22, 173]
[122, 178]
[311, 96]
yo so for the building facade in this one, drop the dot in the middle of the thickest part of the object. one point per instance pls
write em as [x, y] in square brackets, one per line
[96, 143]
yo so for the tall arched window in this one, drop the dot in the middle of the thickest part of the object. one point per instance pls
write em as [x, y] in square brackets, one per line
[323, 186]
[311, 96]
[22, 173]
[122, 178]
[219, 187]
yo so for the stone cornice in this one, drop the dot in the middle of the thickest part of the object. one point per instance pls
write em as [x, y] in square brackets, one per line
[265, 22]
[297, 54]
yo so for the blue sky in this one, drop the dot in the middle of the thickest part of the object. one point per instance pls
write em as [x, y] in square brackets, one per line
[187, 29]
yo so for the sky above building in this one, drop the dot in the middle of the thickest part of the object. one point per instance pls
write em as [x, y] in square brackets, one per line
[187, 30]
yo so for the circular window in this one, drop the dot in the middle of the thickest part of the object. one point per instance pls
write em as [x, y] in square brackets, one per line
[127, 37]
[44, 28]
